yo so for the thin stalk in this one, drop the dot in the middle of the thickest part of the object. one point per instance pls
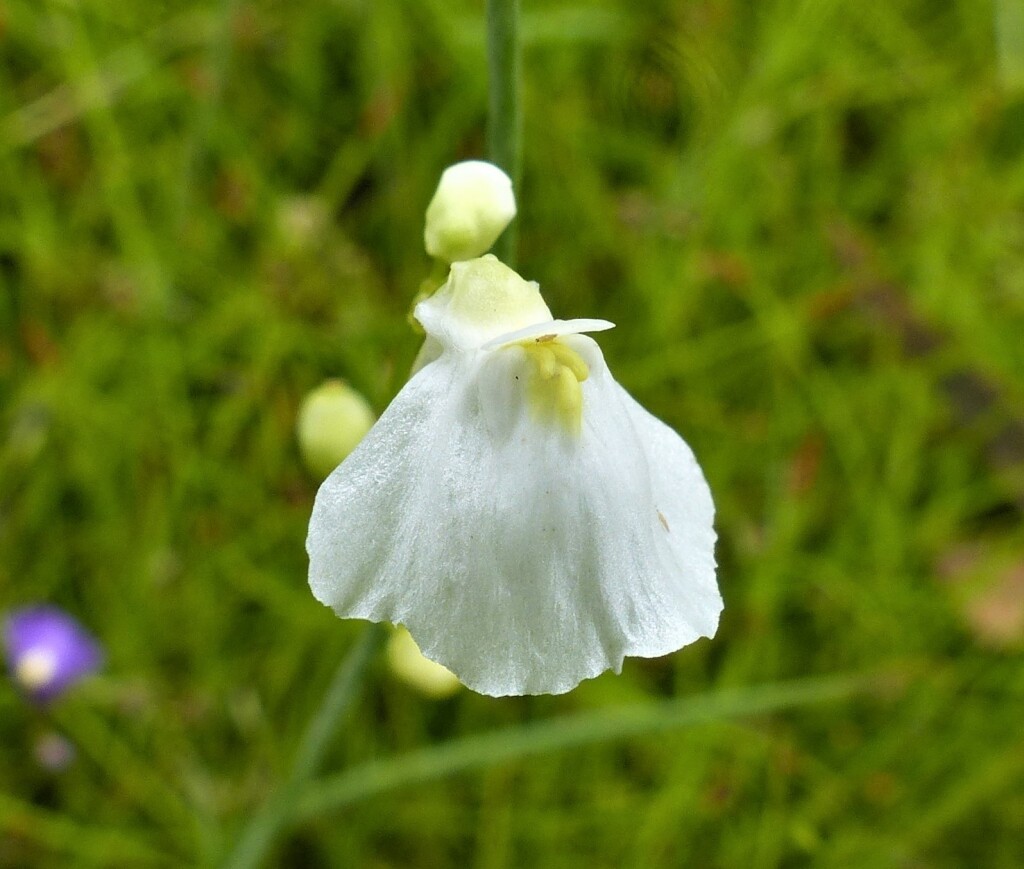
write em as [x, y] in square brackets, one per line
[486, 750]
[504, 118]
[258, 837]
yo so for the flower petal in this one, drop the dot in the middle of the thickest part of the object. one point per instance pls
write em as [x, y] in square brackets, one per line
[523, 558]
[670, 598]
[685, 512]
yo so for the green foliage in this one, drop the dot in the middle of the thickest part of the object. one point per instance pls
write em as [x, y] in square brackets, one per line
[806, 220]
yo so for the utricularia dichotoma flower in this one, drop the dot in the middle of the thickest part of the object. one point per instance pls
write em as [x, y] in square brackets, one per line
[514, 507]
[48, 651]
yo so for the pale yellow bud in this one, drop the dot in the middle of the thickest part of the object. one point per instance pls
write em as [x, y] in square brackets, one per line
[332, 421]
[408, 664]
[473, 204]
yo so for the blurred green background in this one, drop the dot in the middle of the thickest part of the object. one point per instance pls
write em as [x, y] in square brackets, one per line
[807, 220]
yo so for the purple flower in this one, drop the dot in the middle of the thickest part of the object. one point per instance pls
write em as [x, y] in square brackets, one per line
[48, 651]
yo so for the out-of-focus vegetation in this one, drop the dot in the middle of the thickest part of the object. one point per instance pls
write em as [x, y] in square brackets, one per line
[807, 220]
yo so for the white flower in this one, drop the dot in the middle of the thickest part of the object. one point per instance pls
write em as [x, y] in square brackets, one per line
[514, 507]
[471, 208]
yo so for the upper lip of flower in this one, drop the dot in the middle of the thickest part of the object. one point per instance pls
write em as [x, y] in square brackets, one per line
[547, 330]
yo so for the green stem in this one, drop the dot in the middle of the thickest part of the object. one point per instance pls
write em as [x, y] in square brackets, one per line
[504, 119]
[259, 835]
[544, 737]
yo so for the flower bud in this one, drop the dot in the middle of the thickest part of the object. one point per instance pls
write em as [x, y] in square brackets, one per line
[473, 204]
[408, 663]
[332, 421]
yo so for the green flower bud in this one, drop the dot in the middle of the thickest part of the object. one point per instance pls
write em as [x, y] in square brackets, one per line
[332, 421]
[473, 204]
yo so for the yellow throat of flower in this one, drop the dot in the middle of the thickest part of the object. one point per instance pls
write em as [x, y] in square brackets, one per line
[554, 393]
